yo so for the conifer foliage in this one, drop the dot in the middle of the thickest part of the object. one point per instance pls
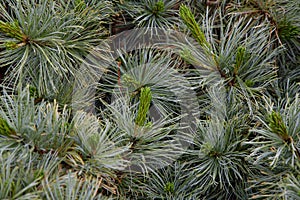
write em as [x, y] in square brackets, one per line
[213, 115]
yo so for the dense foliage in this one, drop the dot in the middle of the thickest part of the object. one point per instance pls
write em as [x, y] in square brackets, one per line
[150, 99]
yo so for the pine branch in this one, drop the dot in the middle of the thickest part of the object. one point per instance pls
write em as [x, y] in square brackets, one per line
[189, 20]
[12, 30]
[278, 127]
[145, 100]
